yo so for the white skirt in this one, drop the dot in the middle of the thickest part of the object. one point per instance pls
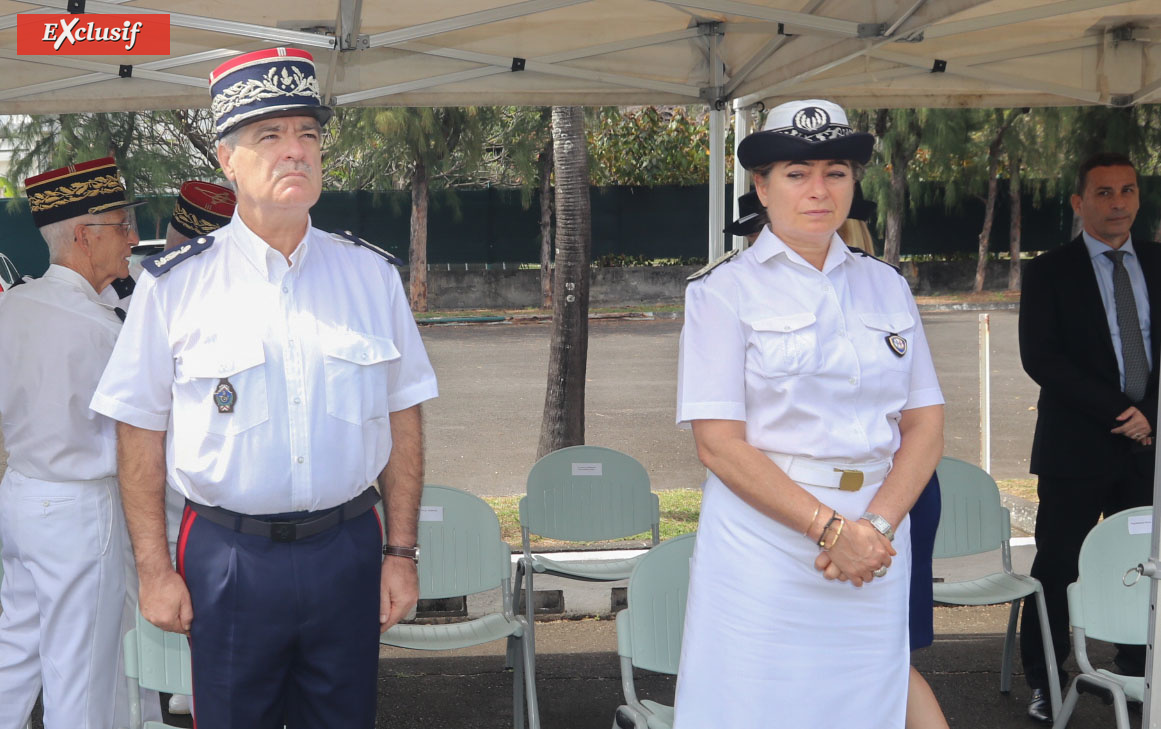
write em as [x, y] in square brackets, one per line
[769, 642]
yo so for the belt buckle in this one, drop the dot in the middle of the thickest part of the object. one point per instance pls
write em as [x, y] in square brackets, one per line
[283, 531]
[851, 480]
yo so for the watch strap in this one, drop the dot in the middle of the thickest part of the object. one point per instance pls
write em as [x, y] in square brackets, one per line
[411, 553]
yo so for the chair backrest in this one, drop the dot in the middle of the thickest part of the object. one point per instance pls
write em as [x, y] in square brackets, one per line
[157, 659]
[649, 630]
[972, 520]
[1099, 602]
[461, 552]
[588, 493]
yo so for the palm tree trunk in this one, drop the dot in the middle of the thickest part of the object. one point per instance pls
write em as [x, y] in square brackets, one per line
[563, 423]
[1014, 227]
[417, 254]
[544, 164]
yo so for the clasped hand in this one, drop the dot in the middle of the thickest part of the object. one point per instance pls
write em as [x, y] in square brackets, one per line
[1135, 426]
[856, 554]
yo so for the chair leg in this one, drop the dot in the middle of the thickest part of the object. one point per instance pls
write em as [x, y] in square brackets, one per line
[1049, 653]
[530, 680]
[1009, 648]
[1121, 707]
[517, 688]
[530, 615]
[1066, 708]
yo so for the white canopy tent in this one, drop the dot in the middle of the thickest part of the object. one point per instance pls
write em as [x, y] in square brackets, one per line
[733, 56]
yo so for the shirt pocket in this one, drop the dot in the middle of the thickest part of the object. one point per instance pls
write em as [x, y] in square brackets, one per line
[200, 371]
[887, 333]
[786, 345]
[355, 367]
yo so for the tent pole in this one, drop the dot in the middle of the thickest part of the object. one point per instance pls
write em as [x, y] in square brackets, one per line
[1151, 718]
[717, 143]
[743, 117]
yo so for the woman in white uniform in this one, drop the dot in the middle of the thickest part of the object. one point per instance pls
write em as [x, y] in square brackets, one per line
[806, 377]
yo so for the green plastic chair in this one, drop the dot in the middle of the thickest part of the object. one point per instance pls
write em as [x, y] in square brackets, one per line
[463, 554]
[155, 659]
[1102, 607]
[582, 494]
[974, 521]
[649, 629]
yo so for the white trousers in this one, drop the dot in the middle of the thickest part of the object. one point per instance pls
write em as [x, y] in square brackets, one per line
[68, 590]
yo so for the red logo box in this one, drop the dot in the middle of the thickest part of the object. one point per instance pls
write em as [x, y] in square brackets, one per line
[92, 34]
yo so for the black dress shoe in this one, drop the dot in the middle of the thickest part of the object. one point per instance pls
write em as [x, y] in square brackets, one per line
[1040, 707]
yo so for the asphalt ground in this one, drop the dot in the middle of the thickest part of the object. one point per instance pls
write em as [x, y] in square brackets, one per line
[482, 431]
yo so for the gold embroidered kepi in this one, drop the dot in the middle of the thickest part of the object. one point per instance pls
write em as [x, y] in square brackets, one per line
[201, 208]
[264, 84]
[88, 187]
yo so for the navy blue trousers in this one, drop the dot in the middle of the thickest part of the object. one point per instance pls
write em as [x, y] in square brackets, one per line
[924, 524]
[283, 633]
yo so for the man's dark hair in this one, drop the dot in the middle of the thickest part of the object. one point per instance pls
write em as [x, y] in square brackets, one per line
[1100, 159]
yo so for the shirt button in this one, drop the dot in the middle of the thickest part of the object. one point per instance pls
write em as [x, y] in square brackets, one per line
[363, 355]
[285, 289]
[298, 401]
[854, 380]
[301, 459]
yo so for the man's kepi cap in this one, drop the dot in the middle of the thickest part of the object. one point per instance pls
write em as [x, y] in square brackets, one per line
[85, 188]
[264, 84]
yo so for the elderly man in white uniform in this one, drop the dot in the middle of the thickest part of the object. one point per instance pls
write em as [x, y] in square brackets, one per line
[65, 551]
[272, 373]
[806, 377]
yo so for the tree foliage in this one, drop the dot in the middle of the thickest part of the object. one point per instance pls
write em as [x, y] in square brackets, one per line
[652, 145]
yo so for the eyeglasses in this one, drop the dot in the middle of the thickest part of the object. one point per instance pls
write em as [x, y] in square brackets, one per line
[126, 228]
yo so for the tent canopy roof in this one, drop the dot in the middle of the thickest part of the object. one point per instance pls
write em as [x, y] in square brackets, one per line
[539, 52]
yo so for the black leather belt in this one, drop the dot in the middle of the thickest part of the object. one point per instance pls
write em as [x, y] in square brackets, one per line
[293, 530]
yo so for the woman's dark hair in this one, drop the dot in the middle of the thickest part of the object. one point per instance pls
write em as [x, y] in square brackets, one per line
[1100, 159]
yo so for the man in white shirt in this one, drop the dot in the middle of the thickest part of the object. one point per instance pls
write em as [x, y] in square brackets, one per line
[272, 373]
[65, 552]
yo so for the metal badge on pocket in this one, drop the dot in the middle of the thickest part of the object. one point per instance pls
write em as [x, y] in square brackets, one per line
[225, 396]
[897, 344]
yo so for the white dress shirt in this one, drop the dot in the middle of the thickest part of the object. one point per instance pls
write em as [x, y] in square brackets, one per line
[1103, 268]
[801, 355]
[57, 336]
[318, 353]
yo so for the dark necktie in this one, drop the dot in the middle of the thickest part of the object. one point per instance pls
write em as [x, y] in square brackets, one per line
[1132, 343]
[119, 312]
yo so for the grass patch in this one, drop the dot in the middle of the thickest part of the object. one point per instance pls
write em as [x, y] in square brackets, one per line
[1025, 488]
[679, 512]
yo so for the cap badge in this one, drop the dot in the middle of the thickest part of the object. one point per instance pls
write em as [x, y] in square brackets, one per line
[810, 119]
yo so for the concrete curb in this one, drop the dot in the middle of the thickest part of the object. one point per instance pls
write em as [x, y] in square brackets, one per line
[1023, 512]
[935, 308]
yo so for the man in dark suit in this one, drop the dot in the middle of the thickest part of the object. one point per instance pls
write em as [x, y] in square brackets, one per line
[1088, 337]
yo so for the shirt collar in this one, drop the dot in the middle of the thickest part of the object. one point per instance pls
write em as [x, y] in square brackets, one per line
[1098, 247]
[770, 245]
[69, 277]
[258, 251]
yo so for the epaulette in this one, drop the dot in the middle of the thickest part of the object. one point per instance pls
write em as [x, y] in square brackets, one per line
[160, 263]
[864, 254]
[124, 287]
[349, 236]
[704, 270]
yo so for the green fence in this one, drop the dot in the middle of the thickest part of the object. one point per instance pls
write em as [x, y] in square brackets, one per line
[492, 226]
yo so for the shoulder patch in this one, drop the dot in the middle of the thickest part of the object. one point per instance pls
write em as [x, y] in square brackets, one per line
[350, 237]
[162, 262]
[705, 270]
[864, 254]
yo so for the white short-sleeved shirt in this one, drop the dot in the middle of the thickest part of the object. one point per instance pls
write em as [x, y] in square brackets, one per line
[55, 338]
[801, 355]
[318, 354]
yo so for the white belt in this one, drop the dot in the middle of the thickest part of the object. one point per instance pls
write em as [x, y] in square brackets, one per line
[844, 476]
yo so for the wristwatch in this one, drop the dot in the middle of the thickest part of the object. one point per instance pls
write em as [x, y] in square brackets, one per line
[411, 553]
[881, 525]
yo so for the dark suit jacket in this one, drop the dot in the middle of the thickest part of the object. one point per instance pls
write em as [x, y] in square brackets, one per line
[1066, 347]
